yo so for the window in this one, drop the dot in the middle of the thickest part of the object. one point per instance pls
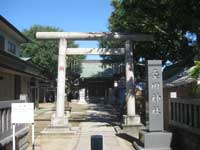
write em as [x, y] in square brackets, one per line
[2, 43]
[11, 47]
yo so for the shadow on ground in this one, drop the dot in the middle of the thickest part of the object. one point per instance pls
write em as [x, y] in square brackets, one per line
[102, 113]
[129, 138]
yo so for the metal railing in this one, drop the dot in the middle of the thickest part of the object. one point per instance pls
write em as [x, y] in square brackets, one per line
[5, 119]
[185, 113]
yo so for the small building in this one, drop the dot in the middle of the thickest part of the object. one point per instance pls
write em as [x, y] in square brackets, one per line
[19, 80]
[97, 77]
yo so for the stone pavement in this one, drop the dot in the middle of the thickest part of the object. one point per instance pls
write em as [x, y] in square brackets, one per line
[100, 123]
[87, 120]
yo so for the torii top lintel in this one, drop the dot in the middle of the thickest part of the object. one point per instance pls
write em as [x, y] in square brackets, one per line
[94, 36]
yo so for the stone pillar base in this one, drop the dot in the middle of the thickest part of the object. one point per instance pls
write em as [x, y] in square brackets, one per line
[82, 101]
[59, 121]
[131, 120]
[74, 100]
[154, 141]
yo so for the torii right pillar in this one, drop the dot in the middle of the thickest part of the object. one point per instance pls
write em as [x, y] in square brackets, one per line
[131, 119]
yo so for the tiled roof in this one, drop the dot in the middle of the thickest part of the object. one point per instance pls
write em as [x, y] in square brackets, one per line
[95, 69]
[179, 78]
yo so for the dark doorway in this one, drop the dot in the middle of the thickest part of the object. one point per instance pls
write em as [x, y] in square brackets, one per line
[17, 86]
[96, 89]
[2, 43]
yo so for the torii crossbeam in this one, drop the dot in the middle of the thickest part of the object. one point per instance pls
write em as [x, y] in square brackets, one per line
[94, 36]
[95, 51]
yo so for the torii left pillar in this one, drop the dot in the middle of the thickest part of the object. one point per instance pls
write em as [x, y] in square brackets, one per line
[131, 118]
[59, 119]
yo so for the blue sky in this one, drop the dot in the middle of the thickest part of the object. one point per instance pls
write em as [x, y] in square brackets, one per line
[192, 38]
[69, 15]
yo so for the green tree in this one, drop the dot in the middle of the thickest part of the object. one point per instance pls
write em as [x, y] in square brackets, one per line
[73, 71]
[167, 20]
[195, 71]
[44, 53]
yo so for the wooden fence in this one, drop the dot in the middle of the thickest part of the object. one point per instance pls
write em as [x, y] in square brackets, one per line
[185, 113]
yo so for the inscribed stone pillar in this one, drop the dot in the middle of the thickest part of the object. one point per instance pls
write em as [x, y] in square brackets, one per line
[154, 138]
[155, 95]
[61, 78]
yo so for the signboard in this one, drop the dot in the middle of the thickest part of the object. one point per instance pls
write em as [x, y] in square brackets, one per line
[22, 113]
[173, 95]
[23, 97]
[155, 95]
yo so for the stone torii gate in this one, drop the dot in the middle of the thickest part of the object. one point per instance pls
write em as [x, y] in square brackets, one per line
[59, 119]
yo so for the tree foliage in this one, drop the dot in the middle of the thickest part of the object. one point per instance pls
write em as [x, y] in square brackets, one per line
[167, 20]
[44, 53]
[194, 72]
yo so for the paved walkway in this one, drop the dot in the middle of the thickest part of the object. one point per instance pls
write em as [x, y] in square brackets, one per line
[101, 123]
[87, 120]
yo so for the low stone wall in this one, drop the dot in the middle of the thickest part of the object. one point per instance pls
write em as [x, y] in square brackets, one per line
[21, 140]
[184, 140]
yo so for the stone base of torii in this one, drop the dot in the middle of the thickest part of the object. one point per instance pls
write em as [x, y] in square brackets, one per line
[59, 121]
[131, 120]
